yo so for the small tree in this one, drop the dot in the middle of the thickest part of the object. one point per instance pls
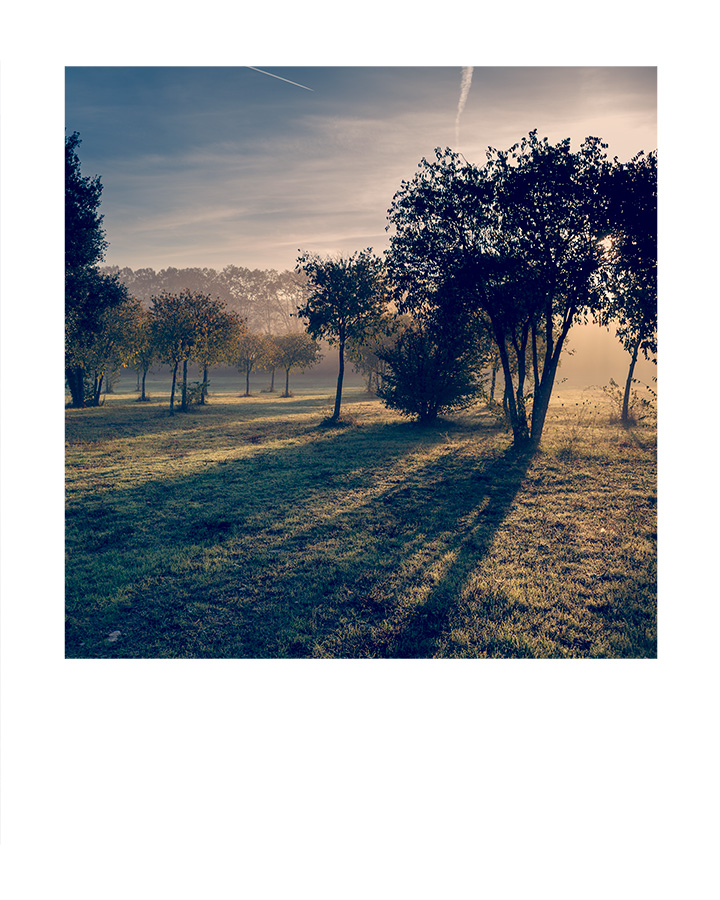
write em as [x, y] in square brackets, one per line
[269, 360]
[217, 331]
[91, 299]
[246, 354]
[143, 352]
[180, 326]
[434, 363]
[346, 297]
[366, 353]
[295, 351]
[630, 262]
[112, 347]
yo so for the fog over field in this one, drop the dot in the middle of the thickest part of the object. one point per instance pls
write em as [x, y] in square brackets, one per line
[598, 357]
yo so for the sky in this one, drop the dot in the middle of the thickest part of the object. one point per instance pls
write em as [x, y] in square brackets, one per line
[246, 166]
[225, 166]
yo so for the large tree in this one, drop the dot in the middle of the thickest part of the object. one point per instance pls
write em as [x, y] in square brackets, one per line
[517, 240]
[345, 298]
[88, 293]
[630, 270]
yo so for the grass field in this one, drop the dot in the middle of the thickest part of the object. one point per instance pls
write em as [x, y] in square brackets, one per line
[243, 529]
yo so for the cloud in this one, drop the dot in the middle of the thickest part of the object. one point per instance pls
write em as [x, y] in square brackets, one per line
[263, 72]
[467, 74]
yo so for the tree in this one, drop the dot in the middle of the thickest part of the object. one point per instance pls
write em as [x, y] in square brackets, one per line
[426, 376]
[630, 262]
[181, 325]
[217, 331]
[435, 362]
[246, 353]
[85, 243]
[269, 359]
[517, 241]
[142, 349]
[91, 298]
[345, 298]
[112, 346]
[88, 294]
[296, 350]
[365, 353]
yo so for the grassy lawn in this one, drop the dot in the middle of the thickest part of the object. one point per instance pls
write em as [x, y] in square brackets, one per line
[243, 529]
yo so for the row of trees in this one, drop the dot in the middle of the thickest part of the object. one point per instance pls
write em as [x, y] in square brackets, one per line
[109, 325]
[185, 329]
[265, 298]
[489, 267]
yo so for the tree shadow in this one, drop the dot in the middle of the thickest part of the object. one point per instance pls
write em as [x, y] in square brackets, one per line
[489, 493]
[326, 554]
[127, 418]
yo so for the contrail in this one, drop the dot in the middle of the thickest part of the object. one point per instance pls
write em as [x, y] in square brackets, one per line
[467, 73]
[284, 79]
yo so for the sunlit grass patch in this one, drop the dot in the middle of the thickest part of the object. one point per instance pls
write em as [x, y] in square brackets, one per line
[244, 529]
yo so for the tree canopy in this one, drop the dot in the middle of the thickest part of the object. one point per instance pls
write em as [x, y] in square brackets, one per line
[630, 261]
[296, 350]
[89, 295]
[85, 242]
[515, 242]
[346, 295]
[187, 326]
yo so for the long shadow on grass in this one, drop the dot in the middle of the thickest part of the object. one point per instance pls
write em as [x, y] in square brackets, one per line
[488, 493]
[330, 548]
[129, 418]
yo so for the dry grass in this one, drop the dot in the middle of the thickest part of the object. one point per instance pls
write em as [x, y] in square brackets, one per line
[244, 529]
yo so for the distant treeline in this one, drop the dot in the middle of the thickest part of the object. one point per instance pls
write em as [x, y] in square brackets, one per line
[265, 298]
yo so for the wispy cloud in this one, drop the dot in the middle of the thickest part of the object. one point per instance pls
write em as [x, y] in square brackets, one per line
[467, 74]
[263, 72]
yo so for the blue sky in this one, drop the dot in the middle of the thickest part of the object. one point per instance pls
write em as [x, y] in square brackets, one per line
[214, 166]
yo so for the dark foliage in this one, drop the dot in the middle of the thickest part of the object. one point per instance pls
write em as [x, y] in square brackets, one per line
[89, 295]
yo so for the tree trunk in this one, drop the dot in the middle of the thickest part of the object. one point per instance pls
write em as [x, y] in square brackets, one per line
[97, 389]
[142, 396]
[247, 380]
[287, 383]
[172, 390]
[272, 380]
[183, 395]
[517, 416]
[341, 372]
[541, 401]
[75, 377]
[536, 368]
[203, 389]
[625, 415]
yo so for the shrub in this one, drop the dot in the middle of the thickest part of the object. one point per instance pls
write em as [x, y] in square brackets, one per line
[426, 377]
[640, 406]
